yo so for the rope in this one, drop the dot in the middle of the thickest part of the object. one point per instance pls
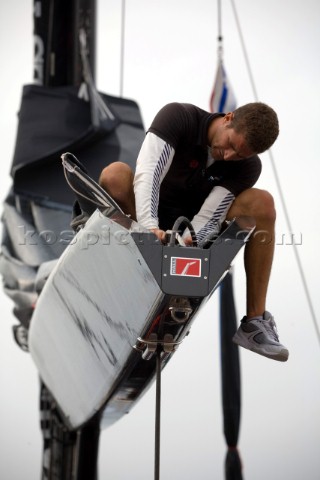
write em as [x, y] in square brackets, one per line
[123, 17]
[282, 200]
[295, 250]
[158, 416]
[245, 52]
[102, 111]
[220, 38]
[177, 224]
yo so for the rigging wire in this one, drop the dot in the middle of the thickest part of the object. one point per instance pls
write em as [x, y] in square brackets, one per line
[123, 19]
[220, 38]
[158, 415]
[277, 180]
[101, 112]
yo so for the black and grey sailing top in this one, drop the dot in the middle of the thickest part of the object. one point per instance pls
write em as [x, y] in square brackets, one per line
[176, 175]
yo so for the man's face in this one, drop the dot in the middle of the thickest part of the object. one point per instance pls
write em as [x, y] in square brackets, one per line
[227, 144]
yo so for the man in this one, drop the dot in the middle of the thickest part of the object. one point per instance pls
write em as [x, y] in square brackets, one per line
[203, 166]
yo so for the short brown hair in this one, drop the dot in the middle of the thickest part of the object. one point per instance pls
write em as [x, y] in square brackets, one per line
[259, 125]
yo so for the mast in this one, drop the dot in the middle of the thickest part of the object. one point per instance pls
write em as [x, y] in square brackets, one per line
[57, 60]
[57, 63]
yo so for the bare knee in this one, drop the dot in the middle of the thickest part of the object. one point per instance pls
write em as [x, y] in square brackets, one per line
[115, 173]
[264, 204]
[255, 203]
[117, 180]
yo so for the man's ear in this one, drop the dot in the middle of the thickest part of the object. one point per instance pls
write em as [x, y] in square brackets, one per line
[228, 117]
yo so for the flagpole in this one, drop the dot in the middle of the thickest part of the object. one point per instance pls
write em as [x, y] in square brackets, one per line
[230, 362]
[222, 98]
[220, 38]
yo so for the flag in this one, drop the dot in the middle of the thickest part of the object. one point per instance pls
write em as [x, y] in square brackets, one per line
[222, 98]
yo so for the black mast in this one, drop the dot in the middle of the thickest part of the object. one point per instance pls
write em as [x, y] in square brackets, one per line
[60, 111]
[57, 63]
[57, 24]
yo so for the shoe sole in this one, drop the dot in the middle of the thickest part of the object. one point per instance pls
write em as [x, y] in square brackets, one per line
[280, 356]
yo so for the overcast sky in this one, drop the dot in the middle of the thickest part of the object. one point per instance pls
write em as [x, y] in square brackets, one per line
[170, 55]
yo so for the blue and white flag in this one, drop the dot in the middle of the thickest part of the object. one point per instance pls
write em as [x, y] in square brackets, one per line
[222, 98]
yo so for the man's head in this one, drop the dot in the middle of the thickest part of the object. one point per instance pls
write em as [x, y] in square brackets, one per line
[258, 123]
[249, 130]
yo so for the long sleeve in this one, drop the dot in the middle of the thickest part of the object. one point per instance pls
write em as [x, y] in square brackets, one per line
[208, 220]
[153, 163]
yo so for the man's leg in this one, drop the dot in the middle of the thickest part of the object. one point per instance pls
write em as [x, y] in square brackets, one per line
[257, 331]
[259, 250]
[117, 180]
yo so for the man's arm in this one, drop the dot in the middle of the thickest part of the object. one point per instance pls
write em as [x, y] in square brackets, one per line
[154, 160]
[215, 208]
[153, 163]
[208, 220]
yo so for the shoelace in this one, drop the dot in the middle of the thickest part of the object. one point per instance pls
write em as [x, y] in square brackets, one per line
[271, 328]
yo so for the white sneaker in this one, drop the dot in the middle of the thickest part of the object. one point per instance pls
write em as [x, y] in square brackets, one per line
[261, 337]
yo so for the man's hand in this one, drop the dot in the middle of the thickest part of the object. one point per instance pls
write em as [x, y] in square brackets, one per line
[164, 237]
[160, 234]
[188, 241]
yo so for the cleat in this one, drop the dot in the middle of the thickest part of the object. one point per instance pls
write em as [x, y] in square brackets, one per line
[261, 336]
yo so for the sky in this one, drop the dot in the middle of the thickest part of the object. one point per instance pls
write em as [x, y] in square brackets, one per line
[171, 55]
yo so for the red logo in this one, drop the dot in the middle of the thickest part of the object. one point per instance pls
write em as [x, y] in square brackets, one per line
[188, 267]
